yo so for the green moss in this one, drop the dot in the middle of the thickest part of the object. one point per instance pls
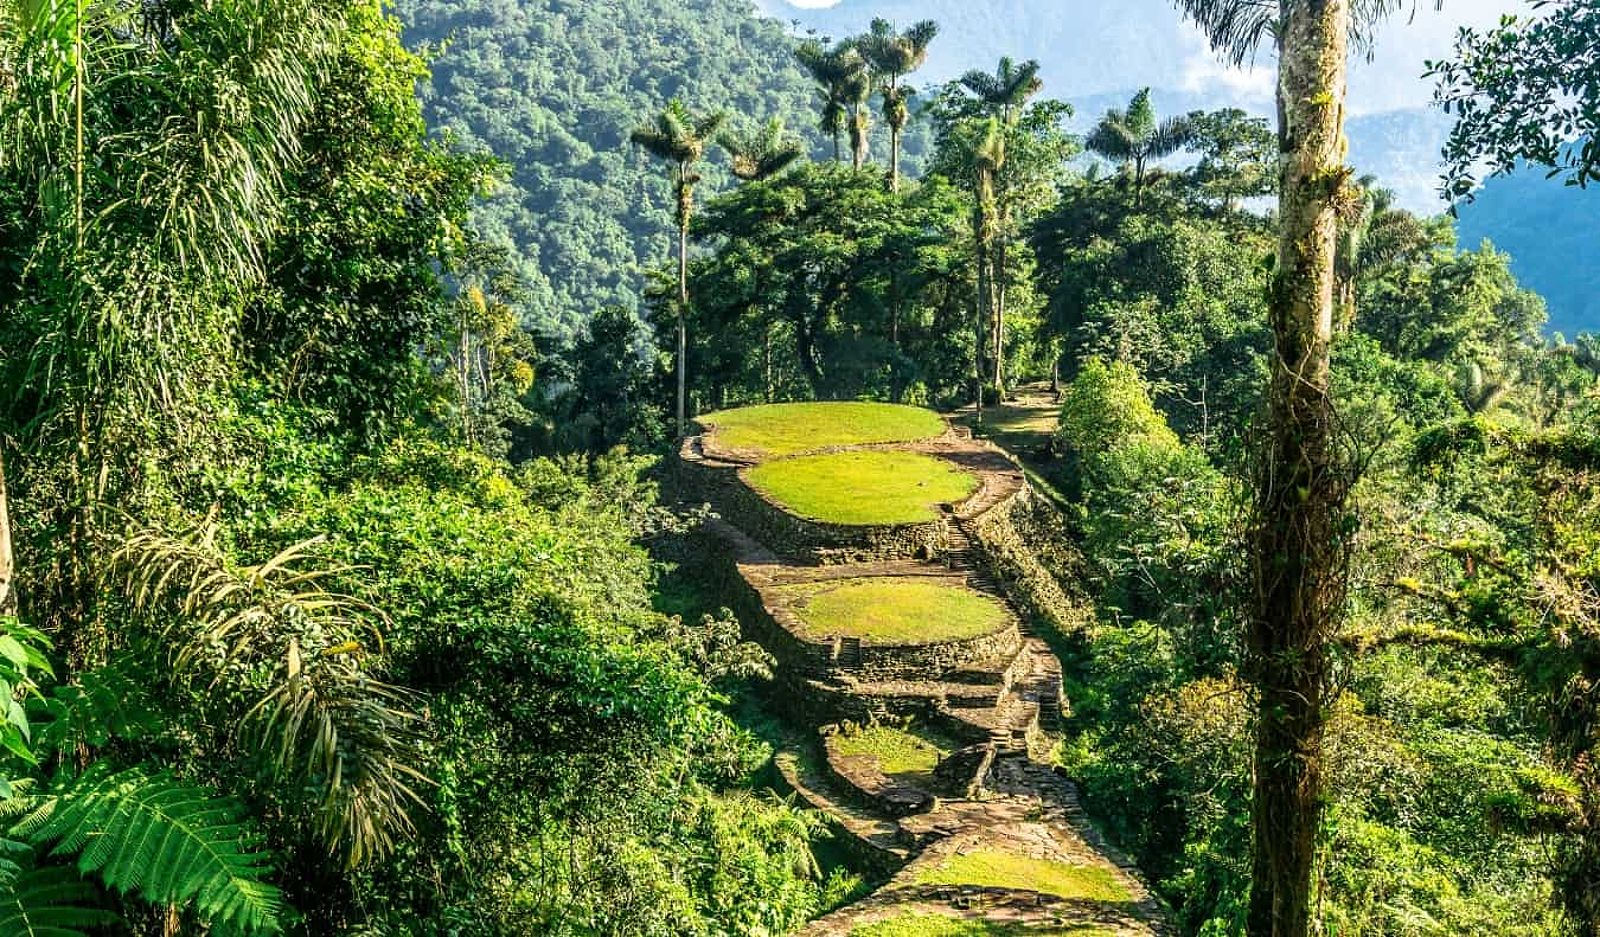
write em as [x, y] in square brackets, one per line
[787, 428]
[912, 924]
[867, 487]
[895, 610]
[992, 868]
[901, 754]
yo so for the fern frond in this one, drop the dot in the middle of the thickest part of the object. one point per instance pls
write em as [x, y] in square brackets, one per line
[100, 705]
[50, 901]
[165, 841]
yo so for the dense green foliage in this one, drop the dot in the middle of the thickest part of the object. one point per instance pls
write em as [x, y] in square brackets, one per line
[311, 656]
[553, 89]
[329, 603]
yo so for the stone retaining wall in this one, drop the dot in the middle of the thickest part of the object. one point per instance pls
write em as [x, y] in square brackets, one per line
[1002, 547]
[798, 538]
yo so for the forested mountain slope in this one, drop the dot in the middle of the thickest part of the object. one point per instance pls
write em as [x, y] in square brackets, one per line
[1548, 229]
[553, 88]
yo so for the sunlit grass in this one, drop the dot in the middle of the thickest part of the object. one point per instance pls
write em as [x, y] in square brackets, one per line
[787, 428]
[896, 610]
[863, 487]
[901, 754]
[992, 868]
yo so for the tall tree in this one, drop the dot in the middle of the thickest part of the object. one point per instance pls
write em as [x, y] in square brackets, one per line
[895, 55]
[679, 138]
[845, 82]
[1135, 138]
[139, 222]
[988, 157]
[760, 154]
[1298, 530]
[1004, 94]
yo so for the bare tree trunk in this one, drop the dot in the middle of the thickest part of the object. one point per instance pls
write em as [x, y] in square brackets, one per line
[685, 208]
[858, 138]
[894, 134]
[683, 327]
[1296, 533]
[998, 285]
[981, 312]
[8, 558]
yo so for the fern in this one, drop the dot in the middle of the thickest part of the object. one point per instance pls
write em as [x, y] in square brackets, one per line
[100, 705]
[167, 842]
[50, 901]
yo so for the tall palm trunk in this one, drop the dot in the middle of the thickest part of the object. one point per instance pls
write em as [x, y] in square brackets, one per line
[982, 309]
[998, 284]
[8, 558]
[1299, 574]
[685, 207]
[895, 128]
[859, 141]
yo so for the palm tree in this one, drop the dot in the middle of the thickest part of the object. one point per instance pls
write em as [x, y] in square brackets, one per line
[988, 156]
[1297, 531]
[1004, 94]
[845, 82]
[1135, 138]
[1375, 235]
[894, 55]
[132, 250]
[762, 153]
[679, 138]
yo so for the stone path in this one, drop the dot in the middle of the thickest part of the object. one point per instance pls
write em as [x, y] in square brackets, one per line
[998, 697]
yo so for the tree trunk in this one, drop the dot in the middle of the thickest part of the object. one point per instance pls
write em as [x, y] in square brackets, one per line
[980, 310]
[685, 193]
[998, 285]
[894, 133]
[1296, 532]
[8, 558]
[858, 138]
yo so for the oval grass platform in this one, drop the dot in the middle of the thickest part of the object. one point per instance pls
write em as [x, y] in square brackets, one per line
[994, 868]
[867, 487]
[896, 610]
[782, 429]
[922, 924]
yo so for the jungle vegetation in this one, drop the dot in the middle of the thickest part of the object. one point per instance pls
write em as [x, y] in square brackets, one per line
[340, 592]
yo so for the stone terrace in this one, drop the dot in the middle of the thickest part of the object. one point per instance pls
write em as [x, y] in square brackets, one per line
[996, 697]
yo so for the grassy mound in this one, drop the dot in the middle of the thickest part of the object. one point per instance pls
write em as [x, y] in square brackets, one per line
[906, 755]
[786, 428]
[896, 610]
[863, 487]
[913, 924]
[991, 868]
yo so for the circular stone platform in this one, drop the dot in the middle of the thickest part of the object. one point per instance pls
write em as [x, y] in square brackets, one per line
[894, 610]
[782, 429]
[864, 487]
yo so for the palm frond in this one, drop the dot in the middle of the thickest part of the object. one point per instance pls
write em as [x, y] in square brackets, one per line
[167, 842]
[50, 901]
[1237, 29]
[321, 716]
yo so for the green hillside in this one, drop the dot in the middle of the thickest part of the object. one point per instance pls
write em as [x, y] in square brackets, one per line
[553, 88]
